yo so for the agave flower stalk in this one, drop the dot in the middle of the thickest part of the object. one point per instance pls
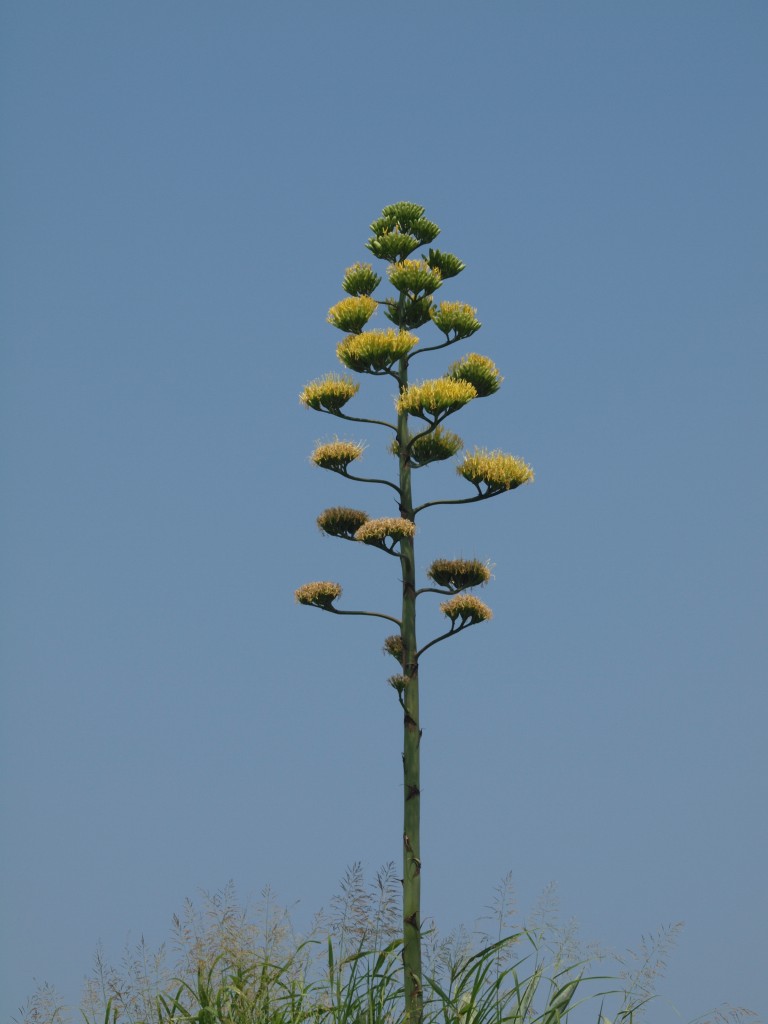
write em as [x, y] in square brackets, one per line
[397, 234]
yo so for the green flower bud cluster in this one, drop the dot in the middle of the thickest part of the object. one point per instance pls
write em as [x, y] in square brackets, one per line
[329, 393]
[408, 312]
[480, 371]
[467, 609]
[318, 595]
[352, 314]
[448, 264]
[360, 279]
[375, 351]
[414, 276]
[496, 470]
[401, 228]
[436, 446]
[459, 573]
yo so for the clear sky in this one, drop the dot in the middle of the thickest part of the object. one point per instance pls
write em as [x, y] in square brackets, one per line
[183, 184]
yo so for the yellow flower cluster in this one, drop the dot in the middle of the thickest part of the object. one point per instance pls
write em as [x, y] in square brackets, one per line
[375, 351]
[336, 455]
[480, 371]
[341, 522]
[459, 573]
[329, 393]
[374, 531]
[318, 595]
[467, 608]
[497, 470]
[351, 315]
[457, 317]
[414, 276]
[433, 397]
[394, 645]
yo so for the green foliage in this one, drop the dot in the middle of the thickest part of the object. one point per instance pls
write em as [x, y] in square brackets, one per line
[227, 963]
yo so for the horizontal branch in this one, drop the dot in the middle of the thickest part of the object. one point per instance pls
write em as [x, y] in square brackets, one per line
[451, 632]
[433, 348]
[358, 419]
[375, 615]
[368, 480]
[480, 496]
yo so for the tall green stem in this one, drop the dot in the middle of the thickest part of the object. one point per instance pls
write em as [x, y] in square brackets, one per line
[414, 1002]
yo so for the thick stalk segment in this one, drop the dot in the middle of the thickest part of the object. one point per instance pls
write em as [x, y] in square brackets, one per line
[414, 1002]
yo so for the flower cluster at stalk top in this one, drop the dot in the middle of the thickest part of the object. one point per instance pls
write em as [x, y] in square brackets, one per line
[479, 371]
[329, 393]
[375, 531]
[459, 573]
[467, 609]
[497, 470]
[337, 455]
[414, 277]
[352, 314]
[321, 594]
[360, 279]
[375, 351]
[433, 397]
[341, 522]
[456, 317]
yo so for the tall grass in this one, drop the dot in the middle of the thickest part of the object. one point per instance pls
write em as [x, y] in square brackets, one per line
[226, 965]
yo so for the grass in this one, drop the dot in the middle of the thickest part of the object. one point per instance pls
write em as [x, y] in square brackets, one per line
[225, 965]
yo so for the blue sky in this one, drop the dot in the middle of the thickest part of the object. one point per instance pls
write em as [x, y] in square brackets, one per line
[182, 187]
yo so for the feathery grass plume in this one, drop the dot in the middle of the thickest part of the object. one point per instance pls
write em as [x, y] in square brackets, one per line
[497, 470]
[341, 522]
[436, 446]
[360, 279]
[375, 351]
[377, 531]
[320, 594]
[459, 573]
[394, 645]
[457, 317]
[480, 371]
[329, 393]
[352, 314]
[337, 455]
[434, 398]
[414, 276]
[448, 264]
[467, 608]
